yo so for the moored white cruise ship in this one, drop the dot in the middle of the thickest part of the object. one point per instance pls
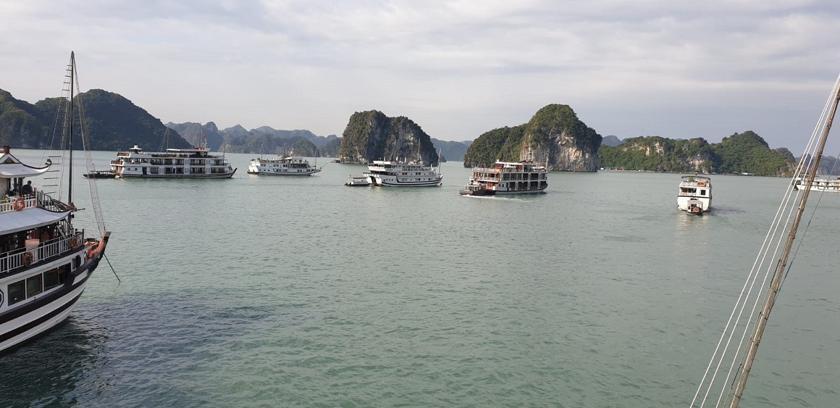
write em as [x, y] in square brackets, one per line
[283, 166]
[173, 163]
[402, 174]
[507, 178]
[695, 194]
[45, 261]
[821, 184]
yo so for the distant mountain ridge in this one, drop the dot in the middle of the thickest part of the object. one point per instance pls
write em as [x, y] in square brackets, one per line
[112, 121]
[261, 140]
[451, 150]
[115, 123]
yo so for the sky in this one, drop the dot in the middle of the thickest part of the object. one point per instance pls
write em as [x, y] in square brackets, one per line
[458, 68]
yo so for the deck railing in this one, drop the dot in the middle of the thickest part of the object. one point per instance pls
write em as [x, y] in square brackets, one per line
[37, 200]
[19, 258]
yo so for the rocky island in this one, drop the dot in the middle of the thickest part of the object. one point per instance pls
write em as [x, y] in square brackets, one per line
[554, 136]
[371, 135]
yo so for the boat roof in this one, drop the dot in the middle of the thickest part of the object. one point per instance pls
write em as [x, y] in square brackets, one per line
[403, 163]
[191, 150]
[12, 167]
[29, 218]
[695, 177]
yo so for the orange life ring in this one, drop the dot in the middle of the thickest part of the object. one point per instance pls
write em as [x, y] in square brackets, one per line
[27, 258]
[74, 243]
[19, 204]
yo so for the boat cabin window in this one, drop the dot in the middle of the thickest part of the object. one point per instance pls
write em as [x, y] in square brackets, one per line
[702, 192]
[17, 292]
[34, 285]
[688, 190]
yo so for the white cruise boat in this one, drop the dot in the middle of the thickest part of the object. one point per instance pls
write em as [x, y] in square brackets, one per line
[402, 174]
[821, 184]
[45, 261]
[173, 163]
[284, 166]
[507, 178]
[695, 194]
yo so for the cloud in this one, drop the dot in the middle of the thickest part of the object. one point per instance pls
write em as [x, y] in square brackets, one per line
[458, 68]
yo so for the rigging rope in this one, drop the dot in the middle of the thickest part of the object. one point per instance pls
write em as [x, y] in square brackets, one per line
[776, 235]
[89, 165]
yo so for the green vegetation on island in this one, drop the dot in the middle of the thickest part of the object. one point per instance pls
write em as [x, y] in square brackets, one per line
[739, 153]
[554, 136]
[112, 122]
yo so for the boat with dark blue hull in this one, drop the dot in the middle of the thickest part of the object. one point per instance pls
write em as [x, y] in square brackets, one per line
[45, 261]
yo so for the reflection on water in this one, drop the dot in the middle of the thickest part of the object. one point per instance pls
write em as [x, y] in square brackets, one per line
[50, 370]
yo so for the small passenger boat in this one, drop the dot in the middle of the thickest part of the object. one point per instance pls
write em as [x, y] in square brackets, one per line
[477, 190]
[357, 181]
[695, 194]
[100, 174]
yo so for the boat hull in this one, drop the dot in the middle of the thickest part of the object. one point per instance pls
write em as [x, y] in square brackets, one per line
[269, 173]
[32, 319]
[394, 182]
[179, 176]
[694, 205]
[520, 192]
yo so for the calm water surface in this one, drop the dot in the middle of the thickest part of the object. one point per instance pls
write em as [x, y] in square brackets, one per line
[272, 291]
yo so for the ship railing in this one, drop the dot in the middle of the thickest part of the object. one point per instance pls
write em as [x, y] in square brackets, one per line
[37, 200]
[22, 257]
[11, 204]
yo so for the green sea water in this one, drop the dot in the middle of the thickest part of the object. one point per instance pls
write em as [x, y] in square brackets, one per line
[275, 291]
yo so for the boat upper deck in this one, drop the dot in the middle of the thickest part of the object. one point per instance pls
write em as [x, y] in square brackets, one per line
[386, 166]
[512, 167]
[137, 152]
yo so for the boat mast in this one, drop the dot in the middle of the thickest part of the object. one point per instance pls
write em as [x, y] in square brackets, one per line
[781, 266]
[70, 125]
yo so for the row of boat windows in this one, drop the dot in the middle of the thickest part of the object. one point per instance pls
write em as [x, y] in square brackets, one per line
[512, 176]
[179, 170]
[293, 165]
[688, 190]
[34, 285]
[194, 162]
[525, 185]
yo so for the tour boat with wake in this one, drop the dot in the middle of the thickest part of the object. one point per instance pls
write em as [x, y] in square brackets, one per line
[284, 166]
[45, 260]
[402, 174]
[695, 194]
[523, 177]
[193, 163]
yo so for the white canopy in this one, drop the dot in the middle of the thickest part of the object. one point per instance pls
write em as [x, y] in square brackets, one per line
[14, 221]
[11, 167]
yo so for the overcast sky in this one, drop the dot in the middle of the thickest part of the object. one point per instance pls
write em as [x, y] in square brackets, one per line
[458, 68]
